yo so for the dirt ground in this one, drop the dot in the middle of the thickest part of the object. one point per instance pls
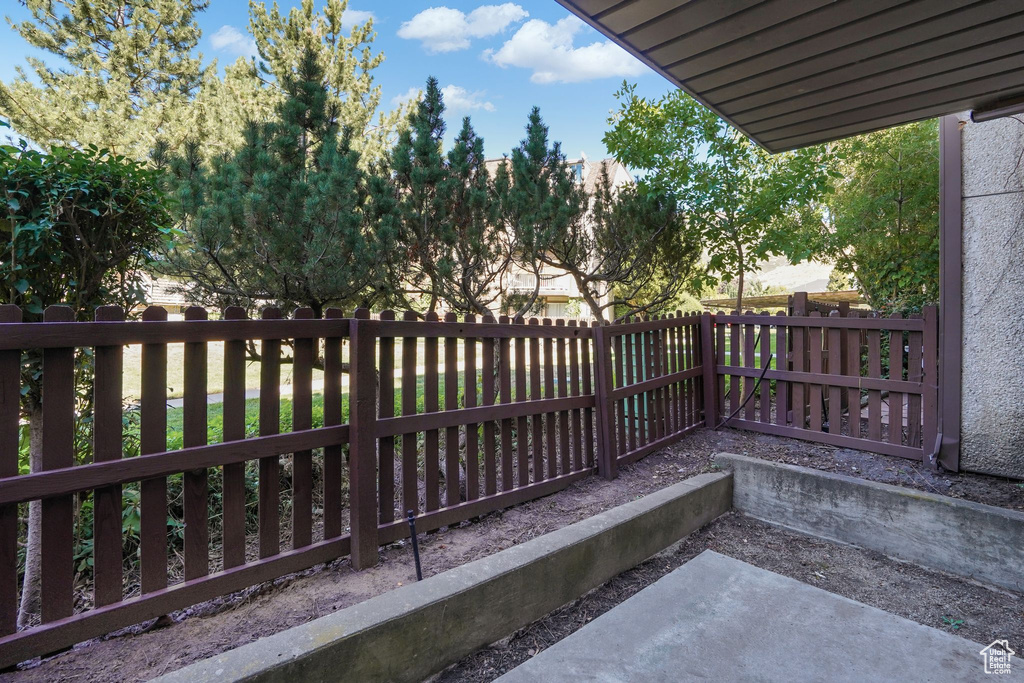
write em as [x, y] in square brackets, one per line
[204, 630]
[931, 598]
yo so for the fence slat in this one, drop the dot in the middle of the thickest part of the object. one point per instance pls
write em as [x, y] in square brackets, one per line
[675, 361]
[302, 418]
[914, 341]
[505, 389]
[709, 378]
[660, 395]
[814, 392]
[10, 413]
[589, 435]
[522, 435]
[632, 423]
[835, 392]
[734, 360]
[799, 389]
[537, 421]
[410, 454]
[108, 580]
[196, 486]
[386, 446]
[930, 379]
[153, 439]
[333, 416]
[362, 461]
[721, 407]
[451, 402]
[574, 389]
[874, 396]
[472, 434]
[678, 392]
[896, 372]
[563, 416]
[751, 362]
[618, 380]
[270, 423]
[782, 363]
[431, 458]
[234, 430]
[765, 398]
[650, 400]
[487, 380]
[853, 369]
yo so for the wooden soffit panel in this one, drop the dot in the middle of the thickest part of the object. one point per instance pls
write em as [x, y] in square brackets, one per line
[793, 73]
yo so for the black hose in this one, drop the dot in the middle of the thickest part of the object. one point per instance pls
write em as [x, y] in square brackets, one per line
[753, 391]
[411, 516]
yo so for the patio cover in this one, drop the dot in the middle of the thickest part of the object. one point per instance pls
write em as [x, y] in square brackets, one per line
[792, 73]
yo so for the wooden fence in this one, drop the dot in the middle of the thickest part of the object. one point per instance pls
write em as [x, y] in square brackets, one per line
[450, 419]
[860, 382]
[651, 374]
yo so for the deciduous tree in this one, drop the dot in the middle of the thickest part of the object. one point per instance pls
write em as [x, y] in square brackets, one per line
[881, 225]
[734, 194]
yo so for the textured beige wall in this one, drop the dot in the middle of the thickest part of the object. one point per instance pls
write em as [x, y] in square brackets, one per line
[992, 413]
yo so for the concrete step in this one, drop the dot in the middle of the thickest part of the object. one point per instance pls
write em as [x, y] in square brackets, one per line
[721, 619]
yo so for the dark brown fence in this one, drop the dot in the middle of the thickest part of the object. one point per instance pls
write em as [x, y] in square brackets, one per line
[652, 375]
[507, 416]
[859, 382]
[449, 419]
[121, 598]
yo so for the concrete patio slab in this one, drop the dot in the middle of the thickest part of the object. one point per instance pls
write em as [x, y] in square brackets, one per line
[721, 619]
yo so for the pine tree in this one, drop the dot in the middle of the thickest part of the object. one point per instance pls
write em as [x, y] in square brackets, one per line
[413, 205]
[476, 252]
[345, 55]
[281, 220]
[539, 199]
[130, 78]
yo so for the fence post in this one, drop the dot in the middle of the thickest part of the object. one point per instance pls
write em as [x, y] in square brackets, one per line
[930, 389]
[607, 461]
[362, 458]
[710, 372]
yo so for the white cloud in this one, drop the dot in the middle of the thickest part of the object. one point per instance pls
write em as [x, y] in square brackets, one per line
[230, 39]
[442, 29]
[353, 17]
[548, 50]
[410, 95]
[458, 99]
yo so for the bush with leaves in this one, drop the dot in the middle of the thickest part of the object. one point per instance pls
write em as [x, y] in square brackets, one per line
[881, 224]
[80, 225]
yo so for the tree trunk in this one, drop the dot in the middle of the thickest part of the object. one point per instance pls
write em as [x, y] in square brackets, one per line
[739, 288]
[33, 556]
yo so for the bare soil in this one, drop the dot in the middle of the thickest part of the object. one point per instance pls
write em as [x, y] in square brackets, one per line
[931, 598]
[143, 652]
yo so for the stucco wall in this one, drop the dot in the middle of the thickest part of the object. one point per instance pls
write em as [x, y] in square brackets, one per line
[992, 413]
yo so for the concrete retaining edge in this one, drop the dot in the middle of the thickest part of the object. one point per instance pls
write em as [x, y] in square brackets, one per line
[416, 630]
[980, 542]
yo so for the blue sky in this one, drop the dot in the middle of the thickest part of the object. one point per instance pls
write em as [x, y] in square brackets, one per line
[495, 61]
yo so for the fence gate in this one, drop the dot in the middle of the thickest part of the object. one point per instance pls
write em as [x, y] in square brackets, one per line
[860, 382]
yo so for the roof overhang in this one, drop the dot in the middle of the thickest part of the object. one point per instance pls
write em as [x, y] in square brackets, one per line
[793, 73]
